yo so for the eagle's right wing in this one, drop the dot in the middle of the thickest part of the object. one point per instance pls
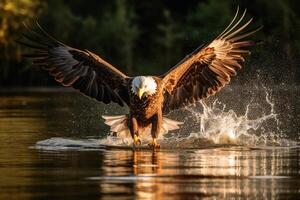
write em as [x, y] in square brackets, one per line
[81, 70]
[208, 69]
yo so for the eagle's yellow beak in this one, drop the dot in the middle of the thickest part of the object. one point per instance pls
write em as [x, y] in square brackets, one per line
[140, 93]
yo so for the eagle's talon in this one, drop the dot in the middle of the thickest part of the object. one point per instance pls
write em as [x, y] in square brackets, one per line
[154, 144]
[136, 140]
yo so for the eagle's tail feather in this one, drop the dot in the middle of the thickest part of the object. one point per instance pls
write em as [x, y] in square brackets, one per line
[119, 124]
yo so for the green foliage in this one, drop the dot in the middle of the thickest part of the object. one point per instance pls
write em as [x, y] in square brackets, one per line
[145, 37]
[120, 33]
[12, 14]
[207, 20]
[168, 39]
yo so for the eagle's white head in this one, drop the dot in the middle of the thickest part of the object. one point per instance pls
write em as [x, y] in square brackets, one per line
[143, 85]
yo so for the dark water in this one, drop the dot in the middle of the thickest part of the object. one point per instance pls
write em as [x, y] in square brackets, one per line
[231, 172]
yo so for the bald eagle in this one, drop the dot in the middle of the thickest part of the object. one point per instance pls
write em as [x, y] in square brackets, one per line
[199, 75]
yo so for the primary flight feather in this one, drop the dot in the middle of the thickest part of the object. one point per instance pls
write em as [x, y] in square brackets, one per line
[200, 75]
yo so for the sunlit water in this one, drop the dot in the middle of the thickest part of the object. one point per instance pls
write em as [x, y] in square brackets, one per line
[245, 145]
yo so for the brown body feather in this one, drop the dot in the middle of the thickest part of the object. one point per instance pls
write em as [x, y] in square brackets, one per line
[146, 111]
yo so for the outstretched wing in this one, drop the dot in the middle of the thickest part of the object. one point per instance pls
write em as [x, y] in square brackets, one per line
[81, 70]
[208, 69]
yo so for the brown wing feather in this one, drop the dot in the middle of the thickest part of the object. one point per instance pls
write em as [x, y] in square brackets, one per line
[82, 70]
[208, 69]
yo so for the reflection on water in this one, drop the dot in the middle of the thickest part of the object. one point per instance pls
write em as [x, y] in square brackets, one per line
[96, 171]
[211, 173]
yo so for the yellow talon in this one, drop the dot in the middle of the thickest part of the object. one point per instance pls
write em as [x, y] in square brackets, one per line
[136, 140]
[154, 143]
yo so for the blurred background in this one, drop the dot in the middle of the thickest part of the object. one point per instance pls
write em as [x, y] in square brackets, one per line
[149, 37]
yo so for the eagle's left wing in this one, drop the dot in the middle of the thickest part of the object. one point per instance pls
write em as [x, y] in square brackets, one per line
[208, 69]
[79, 69]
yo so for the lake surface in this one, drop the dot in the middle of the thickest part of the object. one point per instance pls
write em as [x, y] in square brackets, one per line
[53, 146]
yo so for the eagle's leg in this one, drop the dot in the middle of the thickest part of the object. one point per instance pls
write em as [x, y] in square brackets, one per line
[155, 130]
[134, 131]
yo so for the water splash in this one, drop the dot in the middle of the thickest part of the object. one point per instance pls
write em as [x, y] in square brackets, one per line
[58, 144]
[219, 126]
[227, 127]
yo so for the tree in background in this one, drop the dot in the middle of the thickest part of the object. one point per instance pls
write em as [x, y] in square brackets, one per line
[149, 37]
[120, 33]
[206, 20]
[12, 14]
[169, 39]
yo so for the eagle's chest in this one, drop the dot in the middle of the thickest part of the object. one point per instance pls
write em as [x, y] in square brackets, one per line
[146, 107]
